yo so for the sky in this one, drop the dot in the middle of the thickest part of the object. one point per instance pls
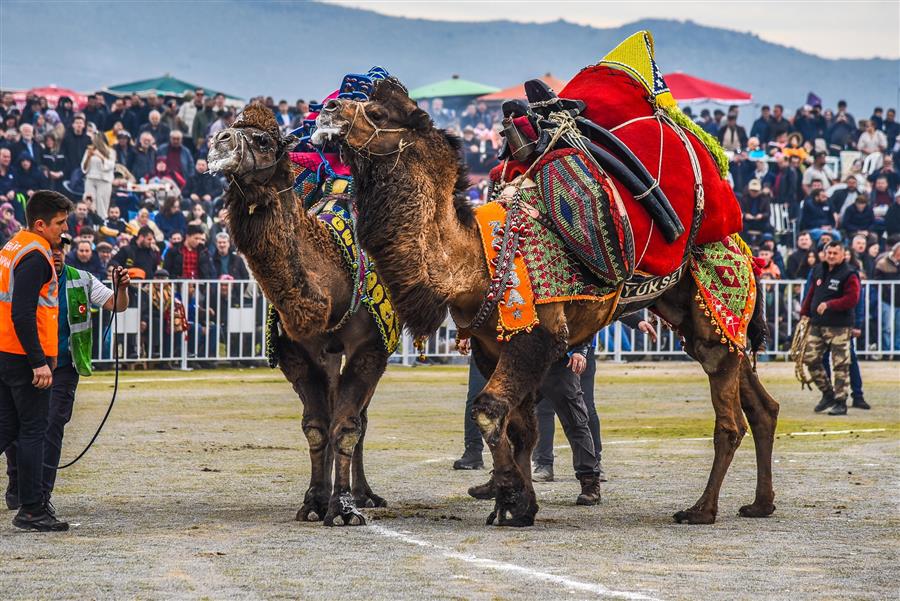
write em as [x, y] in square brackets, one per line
[828, 28]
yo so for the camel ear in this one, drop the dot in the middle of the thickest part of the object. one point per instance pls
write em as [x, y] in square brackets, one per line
[289, 141]
[419, 119]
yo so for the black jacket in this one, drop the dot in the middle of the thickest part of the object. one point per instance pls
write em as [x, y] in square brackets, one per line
[133, 255]
[231, 264]
[72, 147]
[830, 285]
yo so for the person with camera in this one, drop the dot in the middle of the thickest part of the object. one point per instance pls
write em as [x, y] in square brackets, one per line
[29, 313]
[81, 291]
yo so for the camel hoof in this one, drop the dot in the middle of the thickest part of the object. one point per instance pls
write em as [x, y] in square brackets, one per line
[370, 501]
[310, 513]
[693, 516]
[343, 512]
[757, 511]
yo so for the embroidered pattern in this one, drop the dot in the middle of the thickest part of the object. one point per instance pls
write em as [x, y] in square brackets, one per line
[544, 273]
[727, 288]
[368, 289]
[584, 214]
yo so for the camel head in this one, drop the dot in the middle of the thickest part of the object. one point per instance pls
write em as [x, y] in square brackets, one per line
[250, 149]
[380, 126]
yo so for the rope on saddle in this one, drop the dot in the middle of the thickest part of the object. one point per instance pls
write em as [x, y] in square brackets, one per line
[798, 350]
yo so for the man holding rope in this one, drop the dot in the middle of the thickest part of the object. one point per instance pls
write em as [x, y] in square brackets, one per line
[81, 292]
[29, 310]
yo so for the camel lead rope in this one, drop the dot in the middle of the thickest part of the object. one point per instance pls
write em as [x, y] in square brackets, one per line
[798, 350]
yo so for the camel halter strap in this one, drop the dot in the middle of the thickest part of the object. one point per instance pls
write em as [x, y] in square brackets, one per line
[274, 167]
[376, 131]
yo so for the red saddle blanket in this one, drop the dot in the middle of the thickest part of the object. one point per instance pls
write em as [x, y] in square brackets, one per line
[613, 97]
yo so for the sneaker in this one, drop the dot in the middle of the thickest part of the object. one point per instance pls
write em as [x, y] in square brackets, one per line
[840, 408]
[39, 520]
[860, 403]
[470, 460]
[826, 402]
[542, 473]
[590, 490]
[12, 496]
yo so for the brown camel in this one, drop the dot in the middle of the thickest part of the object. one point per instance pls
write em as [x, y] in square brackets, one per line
[299, 267]
[417, 224]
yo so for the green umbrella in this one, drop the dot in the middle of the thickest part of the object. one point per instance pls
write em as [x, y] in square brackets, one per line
[451, 87]
[165, 86]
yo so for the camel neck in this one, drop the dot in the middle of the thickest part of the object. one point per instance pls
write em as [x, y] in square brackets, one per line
[422, 236]
[282, 244]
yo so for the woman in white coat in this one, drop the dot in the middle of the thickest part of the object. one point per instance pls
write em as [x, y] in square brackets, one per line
[98, 165]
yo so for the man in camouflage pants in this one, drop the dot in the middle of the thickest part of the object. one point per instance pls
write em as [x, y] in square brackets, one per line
[830, 303]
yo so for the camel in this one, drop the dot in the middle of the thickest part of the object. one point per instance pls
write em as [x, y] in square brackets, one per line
[299, 268]
[417, 224]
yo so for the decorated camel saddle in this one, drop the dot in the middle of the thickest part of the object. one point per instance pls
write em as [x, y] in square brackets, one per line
[609, 190]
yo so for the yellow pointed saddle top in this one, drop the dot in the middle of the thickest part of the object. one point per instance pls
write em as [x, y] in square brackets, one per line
[636, 55]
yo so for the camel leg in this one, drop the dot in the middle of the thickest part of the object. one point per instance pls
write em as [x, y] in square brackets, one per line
[522, 432]
[762, 413]
[357, 381]
[362, 493]
[523, 362]
[723, 368]
[310, 384]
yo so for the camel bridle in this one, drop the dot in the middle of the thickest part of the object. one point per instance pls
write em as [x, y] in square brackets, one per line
[246, 147]
[363, 149]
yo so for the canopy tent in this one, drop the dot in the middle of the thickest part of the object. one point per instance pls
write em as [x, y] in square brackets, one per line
[687, 88]
[52, 94]
[518, 92]
[451, 88]
[161, 86]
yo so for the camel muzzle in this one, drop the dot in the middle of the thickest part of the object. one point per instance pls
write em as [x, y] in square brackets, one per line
[223, 152]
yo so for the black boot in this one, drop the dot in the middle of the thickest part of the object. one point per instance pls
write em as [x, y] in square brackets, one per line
[860, 403]
[39, 519]
[12, 496]
[590, 490]
[826, 402]
[484, 491]
[840, 408]
[470, 460]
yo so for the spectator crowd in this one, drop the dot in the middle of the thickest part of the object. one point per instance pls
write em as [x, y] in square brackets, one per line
[136, 170]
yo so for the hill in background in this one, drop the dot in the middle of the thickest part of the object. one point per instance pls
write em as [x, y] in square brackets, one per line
[296, 50]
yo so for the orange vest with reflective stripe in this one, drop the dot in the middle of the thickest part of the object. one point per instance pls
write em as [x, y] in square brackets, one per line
[48, 302]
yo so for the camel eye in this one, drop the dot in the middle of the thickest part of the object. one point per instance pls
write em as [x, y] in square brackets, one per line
[376, 113]
[262, 140]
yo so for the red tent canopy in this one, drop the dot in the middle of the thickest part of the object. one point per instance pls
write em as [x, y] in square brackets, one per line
[518, 92]
[52, 94]
[687, 88]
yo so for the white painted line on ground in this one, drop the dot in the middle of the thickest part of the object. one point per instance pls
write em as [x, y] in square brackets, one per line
[502, 566]
[709, 438]
[823, 432]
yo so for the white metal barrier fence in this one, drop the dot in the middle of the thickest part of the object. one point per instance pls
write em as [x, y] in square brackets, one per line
[186, 321]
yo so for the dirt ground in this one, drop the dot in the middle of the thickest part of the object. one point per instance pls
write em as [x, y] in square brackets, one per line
[191, 492]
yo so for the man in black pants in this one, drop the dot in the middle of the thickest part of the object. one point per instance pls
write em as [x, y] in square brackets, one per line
[29, 307]
[562, 387]
[73, 361]
[583, 362]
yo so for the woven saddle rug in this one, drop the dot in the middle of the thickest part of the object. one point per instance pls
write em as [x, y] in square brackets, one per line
[585, 213]
[545, 271]
[336, 215]
[723, 272]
